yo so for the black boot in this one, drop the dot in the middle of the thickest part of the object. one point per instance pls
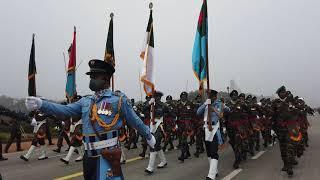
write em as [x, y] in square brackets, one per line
[3, 158]
[58, 150]
[196, 154]
[236, 164]
[290, 172]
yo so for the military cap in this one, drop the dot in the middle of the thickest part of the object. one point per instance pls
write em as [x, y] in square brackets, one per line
[289, 92]
[100, 67]
[148, 97]
[262, 100]
[242, 95]
[234, 93]
[213, 93]
[169, 97]
[184, 94]
[249, 97]
[158, 94]
[281, 89]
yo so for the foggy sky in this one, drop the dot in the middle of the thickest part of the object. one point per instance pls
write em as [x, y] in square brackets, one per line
[261, 44]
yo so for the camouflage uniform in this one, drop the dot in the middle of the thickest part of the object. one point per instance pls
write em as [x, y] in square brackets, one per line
[169, 123]
[185, 114]
[198, 129]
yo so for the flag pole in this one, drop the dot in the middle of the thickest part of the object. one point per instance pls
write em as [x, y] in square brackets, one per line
[209, 121]
[153, 91]
[112, 78]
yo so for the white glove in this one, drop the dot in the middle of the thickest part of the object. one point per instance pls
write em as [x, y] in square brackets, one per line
[152, 101]
[33, 103]
[208, 101]
[63, 123]
[152, 142]
[33, 122]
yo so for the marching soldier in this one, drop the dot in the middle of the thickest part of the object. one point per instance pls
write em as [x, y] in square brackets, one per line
[146, 120]
[157, 129]
[169, 123]
[198, 128]
[255, 122]
[235, 125]
[213, 138]
[76, 142]
[283, 125]
[64, 130]
[185, 114]
[15, 133]
[266, 122]
[103, 114]
[39, 130]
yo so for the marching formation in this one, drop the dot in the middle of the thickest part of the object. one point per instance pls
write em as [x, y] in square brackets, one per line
[240, 120]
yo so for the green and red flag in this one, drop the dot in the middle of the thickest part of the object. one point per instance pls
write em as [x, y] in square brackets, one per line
[71, 91]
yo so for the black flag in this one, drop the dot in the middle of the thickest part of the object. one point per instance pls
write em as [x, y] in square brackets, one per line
[109, 52]
[32, 71]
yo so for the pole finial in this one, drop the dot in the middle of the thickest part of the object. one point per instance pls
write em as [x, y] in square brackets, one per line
[111, 15]
[150, 5]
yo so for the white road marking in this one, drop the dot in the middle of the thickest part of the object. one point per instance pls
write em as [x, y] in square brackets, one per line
[232, 174]
[258, 155]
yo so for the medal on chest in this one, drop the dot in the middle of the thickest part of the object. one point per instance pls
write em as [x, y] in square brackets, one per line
[105, 109]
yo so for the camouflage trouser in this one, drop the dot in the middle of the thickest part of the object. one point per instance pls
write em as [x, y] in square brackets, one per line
[236, 143]
[251, 141]
[256, 138]
[199, 140]
[267, 138]
[302, 144]
[170, 138]
[287, 146]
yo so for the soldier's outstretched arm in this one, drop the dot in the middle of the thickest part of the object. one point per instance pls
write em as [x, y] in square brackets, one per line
[70, 110]
[133, 119]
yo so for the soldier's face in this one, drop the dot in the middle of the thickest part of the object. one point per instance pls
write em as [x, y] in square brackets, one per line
[234, 97]
[183, 97]
[158, 98]
[282, 94]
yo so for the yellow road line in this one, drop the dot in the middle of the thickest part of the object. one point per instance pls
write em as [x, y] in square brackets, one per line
[70, 176]
[81, 173]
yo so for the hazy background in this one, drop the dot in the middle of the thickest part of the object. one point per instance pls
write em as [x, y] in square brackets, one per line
[261, 44]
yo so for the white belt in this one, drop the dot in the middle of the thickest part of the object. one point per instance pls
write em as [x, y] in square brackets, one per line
[101, 144]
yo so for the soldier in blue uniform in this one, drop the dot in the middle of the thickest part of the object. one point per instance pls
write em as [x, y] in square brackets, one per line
[103, 114]
[213, 138]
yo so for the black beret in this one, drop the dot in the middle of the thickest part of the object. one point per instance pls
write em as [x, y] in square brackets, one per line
[249, 97]
[184, 93]
[234, 93]
[281, 89]
[213, 93]
[158, 94]
[169, 97]
[100, 67]
[242, 95]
